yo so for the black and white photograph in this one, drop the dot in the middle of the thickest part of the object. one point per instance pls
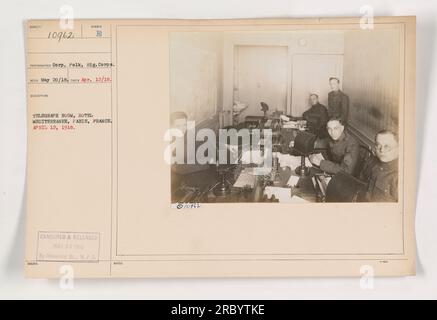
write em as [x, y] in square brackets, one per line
[286, 116]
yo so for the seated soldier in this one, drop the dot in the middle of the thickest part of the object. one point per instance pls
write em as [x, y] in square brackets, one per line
[382, 174]
[316, 117]
[344, 150]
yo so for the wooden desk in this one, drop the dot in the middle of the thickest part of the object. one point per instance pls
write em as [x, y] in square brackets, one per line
[199, 185]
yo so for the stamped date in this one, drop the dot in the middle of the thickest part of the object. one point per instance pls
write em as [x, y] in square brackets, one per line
[68, 246]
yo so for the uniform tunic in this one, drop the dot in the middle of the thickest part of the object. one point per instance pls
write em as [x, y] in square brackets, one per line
[344, 155]
[383, 182]
[338, 105]
[317, 117]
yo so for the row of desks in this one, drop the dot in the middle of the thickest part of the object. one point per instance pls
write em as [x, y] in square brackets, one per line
[198, 186]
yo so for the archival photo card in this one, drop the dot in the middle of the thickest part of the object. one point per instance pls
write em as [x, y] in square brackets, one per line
[221, 148]
[285, 116]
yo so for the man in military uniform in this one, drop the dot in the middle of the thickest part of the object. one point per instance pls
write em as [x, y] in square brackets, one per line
[338, 102]
[316, 117]
[383, 180]
[344, 150]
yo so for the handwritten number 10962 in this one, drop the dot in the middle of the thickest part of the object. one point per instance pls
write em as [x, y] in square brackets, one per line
[60, 35]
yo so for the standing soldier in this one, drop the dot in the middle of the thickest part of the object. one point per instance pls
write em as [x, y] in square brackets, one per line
[338, 102]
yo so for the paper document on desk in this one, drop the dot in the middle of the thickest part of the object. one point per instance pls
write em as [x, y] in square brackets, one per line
[261, 171]
[284, 118]
[290, 125]
[281, 194]
[286, 160]
[252, 156]
[245, 179]
[292, 182]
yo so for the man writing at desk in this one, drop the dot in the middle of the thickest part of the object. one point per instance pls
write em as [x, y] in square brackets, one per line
[344, 150]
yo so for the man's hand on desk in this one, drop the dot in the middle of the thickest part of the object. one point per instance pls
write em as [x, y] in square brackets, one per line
[316, 159]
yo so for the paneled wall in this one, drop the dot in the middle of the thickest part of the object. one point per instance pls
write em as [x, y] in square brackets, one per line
[371, 79]
[298, 43]
[196, 74]
[202, 70]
